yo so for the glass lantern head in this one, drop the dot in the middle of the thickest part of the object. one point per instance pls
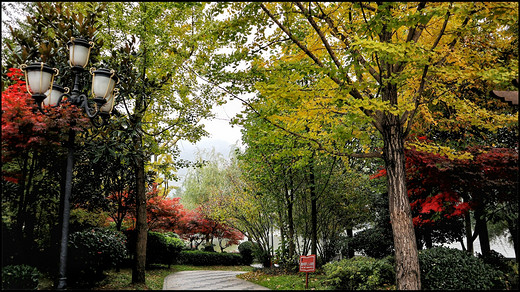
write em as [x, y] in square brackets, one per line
[103, 84]
[39, 77]
[54, 95]
[109, 105]
[79, 52]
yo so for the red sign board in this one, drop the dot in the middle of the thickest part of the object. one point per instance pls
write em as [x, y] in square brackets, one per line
[308, 263]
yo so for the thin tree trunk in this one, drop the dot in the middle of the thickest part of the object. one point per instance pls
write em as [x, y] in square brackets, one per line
[282, 233]
[139, 269]
[469, 236]
[292, 247]
[481, 226]
[350, 251]
[513, 229]
[314, 212]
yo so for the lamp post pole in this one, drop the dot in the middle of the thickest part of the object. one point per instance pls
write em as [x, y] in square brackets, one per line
[62, 281]
[40, 78]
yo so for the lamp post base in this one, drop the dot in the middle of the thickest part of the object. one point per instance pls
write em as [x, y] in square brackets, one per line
[62, 283]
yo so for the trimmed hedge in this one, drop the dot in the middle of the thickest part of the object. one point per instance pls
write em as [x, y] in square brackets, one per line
[203, 258]
[162, 248]
[360, 273]
[453, 269]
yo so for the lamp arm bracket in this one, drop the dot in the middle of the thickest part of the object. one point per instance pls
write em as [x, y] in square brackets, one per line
[91, 112]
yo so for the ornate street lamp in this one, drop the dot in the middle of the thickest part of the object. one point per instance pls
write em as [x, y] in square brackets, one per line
[39, 79]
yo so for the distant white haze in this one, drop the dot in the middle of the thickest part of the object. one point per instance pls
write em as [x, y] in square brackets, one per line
[222, 136]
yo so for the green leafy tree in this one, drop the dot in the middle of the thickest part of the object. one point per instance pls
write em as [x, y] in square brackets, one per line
[160, 101]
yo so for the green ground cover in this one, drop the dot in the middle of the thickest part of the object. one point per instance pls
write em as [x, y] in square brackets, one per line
[287, 281]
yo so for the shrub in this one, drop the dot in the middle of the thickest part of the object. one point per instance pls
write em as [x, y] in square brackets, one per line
[360, 273]
[453, 269]
[19, 277]
[92, 251]
[499, 262]
[156, 248]
[286, 262]
[171, 234]
[246, 252]
[162, 248]
[262, 256]
[204, 258]
[374, 242]
[209, 247]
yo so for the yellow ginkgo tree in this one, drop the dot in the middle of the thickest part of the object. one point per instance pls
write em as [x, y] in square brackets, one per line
[340, 74]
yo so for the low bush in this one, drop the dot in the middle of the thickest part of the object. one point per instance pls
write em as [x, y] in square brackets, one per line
[17, 277]
[262, 256]
[246, 251]
[162, 248]
[374, 242]
[204, 258]
[453, 269]
[360, 273]
[93, 251]
[509, 280]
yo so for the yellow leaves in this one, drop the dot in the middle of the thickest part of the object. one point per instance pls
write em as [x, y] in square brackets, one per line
[452, 154]
[426, 114]
[467, 113]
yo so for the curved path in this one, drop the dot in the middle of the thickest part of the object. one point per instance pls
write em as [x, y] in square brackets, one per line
[208, 280]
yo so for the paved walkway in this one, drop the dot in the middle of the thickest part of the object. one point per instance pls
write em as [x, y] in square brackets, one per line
[208, 280]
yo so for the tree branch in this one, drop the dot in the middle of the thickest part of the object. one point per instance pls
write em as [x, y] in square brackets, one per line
[353, 91]
[322, 36]
[343, 38]
[319, 144]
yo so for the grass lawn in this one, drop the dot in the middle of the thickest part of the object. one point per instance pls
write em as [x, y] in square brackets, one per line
[287, 281]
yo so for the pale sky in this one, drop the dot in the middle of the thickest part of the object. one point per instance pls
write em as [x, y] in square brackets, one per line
[222, 136]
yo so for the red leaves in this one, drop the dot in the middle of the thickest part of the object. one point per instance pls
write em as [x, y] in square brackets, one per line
[23, 127]
[435, 183]
[380, 173]
[198, 225]
[15, 74]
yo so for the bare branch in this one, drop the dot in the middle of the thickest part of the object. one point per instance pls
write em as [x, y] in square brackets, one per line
[368, 7]
[415, 32]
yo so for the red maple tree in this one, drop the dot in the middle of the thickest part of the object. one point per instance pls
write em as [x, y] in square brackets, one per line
[198, 227]
[163, 213]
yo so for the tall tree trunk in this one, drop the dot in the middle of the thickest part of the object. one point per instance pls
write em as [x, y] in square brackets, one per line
[314, 212]
[406, 255]
[139, 269]
[282, 233]
[513, 229]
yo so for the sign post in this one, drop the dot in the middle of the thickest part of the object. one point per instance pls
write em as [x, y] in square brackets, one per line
[307, 264]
